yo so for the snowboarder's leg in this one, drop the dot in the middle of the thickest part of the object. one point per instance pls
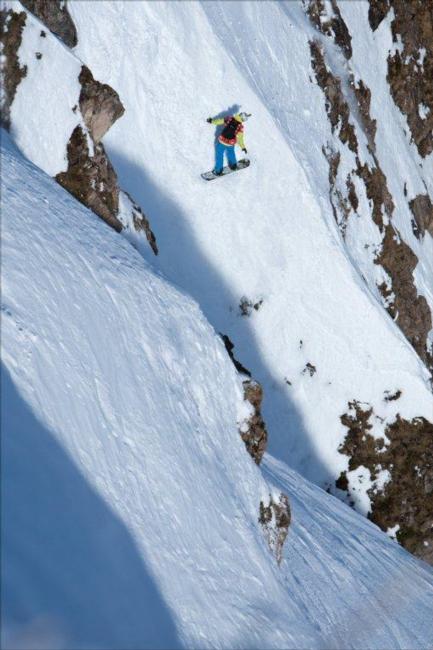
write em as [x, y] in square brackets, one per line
[219, 158]
[231, 156]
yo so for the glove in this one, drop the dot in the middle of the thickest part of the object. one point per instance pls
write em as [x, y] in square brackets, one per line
[209, 119]
[244, 150]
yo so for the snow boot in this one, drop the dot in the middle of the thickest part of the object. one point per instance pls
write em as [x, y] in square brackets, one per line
[233, 167]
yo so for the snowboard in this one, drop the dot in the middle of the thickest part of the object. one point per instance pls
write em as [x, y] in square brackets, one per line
[242, 164]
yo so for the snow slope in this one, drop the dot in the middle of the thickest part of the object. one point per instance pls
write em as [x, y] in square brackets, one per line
[129, 502]
[266, 234]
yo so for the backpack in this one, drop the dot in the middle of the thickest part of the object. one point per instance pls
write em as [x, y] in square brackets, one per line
[231, 130]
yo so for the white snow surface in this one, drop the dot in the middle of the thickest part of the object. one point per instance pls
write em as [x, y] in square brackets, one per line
[42, 115]
[129, 503]
[267, 233]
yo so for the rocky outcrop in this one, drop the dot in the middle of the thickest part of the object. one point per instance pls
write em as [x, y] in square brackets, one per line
[402, 500]
[90, 177]
[12, 73]
[100, 105]
[331, 24]
[377, 11]
[253, 431]
[400, 296]
[275, 518]
[369, 125]
[136, 220]
[422, 210]
[410, 310]
[337, 107]
[55, 15]
[410, 68]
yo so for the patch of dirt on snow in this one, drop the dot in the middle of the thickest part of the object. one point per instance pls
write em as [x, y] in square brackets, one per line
[410, 68]
[330, 24]
[275, 520]
[407, 498]
[11, 26]
[422, 210]
[55, 15]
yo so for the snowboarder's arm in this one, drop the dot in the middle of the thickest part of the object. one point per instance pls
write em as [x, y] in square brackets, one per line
[240, 139]
[217, 121]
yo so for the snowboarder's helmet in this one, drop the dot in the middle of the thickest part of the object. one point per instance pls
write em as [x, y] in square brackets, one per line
[244, 116]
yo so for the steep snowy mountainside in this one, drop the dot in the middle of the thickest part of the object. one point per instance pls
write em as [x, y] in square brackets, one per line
[337, 371]
[130, 505]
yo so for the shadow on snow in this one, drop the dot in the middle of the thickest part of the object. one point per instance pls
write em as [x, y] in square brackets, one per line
[71, 573]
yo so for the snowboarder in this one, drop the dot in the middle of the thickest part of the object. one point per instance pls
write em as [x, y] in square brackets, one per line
[232, 134]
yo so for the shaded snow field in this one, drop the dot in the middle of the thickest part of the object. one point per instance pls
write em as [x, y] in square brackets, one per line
[130, 505]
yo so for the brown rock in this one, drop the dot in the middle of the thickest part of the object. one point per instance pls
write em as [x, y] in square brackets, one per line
[255, 435]
[411, 82]
[363, 96]
[411, 310]
[422, 210]
[336, 106]
[275, 520]
[55, 15]
[141, 223]
[377, 191]
[377, 11]
[331, 25]
[407, 499]
[100, 105]
[90, 177]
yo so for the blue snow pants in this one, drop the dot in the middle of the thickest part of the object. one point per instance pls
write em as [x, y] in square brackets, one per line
[220, 149]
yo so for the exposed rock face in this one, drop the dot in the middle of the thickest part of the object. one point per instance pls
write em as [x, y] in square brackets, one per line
[337, 107]
[100, 105]
[406, 453]
[11, 25]
[377, 12]
[331, 25]
[140, 223]
[377, 192]
[411, 310]
[253, 431]
[230, 347]
[55, 15]
[410, 69]
[275, 520]
[363, 96]
[400, 296]
[90, 177]
[422, 210]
